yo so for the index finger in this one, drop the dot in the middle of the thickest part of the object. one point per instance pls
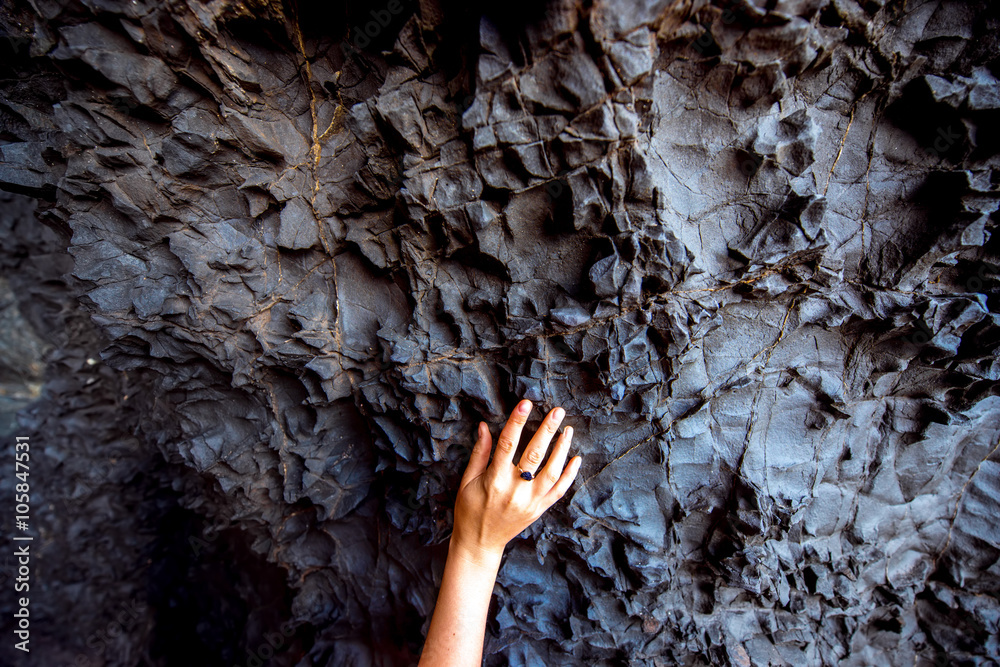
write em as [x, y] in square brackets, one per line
[509, 437]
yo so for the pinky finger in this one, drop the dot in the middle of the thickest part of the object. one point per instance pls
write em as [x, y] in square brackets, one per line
[565, 480]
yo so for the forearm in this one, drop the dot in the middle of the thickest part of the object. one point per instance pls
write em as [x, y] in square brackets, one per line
[458, 626]
[495, 502]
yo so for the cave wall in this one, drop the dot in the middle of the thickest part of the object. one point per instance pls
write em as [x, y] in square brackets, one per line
[748, 246]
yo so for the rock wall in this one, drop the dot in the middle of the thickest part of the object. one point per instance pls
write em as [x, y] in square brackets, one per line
[748, 246]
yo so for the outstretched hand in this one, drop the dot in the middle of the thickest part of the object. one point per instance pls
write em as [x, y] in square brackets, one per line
[495, 503]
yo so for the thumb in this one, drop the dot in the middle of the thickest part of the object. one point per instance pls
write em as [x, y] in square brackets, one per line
[480, 455]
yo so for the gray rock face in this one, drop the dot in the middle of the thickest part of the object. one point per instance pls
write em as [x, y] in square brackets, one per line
[748, 247]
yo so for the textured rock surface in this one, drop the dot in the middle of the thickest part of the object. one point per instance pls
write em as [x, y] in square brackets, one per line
[748, 247]
[121, 570]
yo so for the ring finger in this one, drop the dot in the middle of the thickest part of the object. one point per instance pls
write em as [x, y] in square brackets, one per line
[533, 454]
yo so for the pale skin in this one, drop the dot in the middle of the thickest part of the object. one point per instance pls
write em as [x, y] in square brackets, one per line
[494, 505]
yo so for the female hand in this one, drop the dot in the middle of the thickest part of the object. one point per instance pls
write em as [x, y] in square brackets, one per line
[494, 502]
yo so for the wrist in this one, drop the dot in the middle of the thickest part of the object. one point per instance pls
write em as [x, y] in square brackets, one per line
[480, 557]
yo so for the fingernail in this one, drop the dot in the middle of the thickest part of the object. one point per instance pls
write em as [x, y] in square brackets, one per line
[569, 431]
[559, 414]
[524, 408]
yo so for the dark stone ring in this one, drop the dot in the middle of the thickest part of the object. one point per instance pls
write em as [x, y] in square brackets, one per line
[525, 475]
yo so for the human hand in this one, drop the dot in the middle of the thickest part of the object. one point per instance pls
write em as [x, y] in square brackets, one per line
[494, 502]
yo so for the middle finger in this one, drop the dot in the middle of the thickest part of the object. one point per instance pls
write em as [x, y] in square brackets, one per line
[533, 454]
[503, 457]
